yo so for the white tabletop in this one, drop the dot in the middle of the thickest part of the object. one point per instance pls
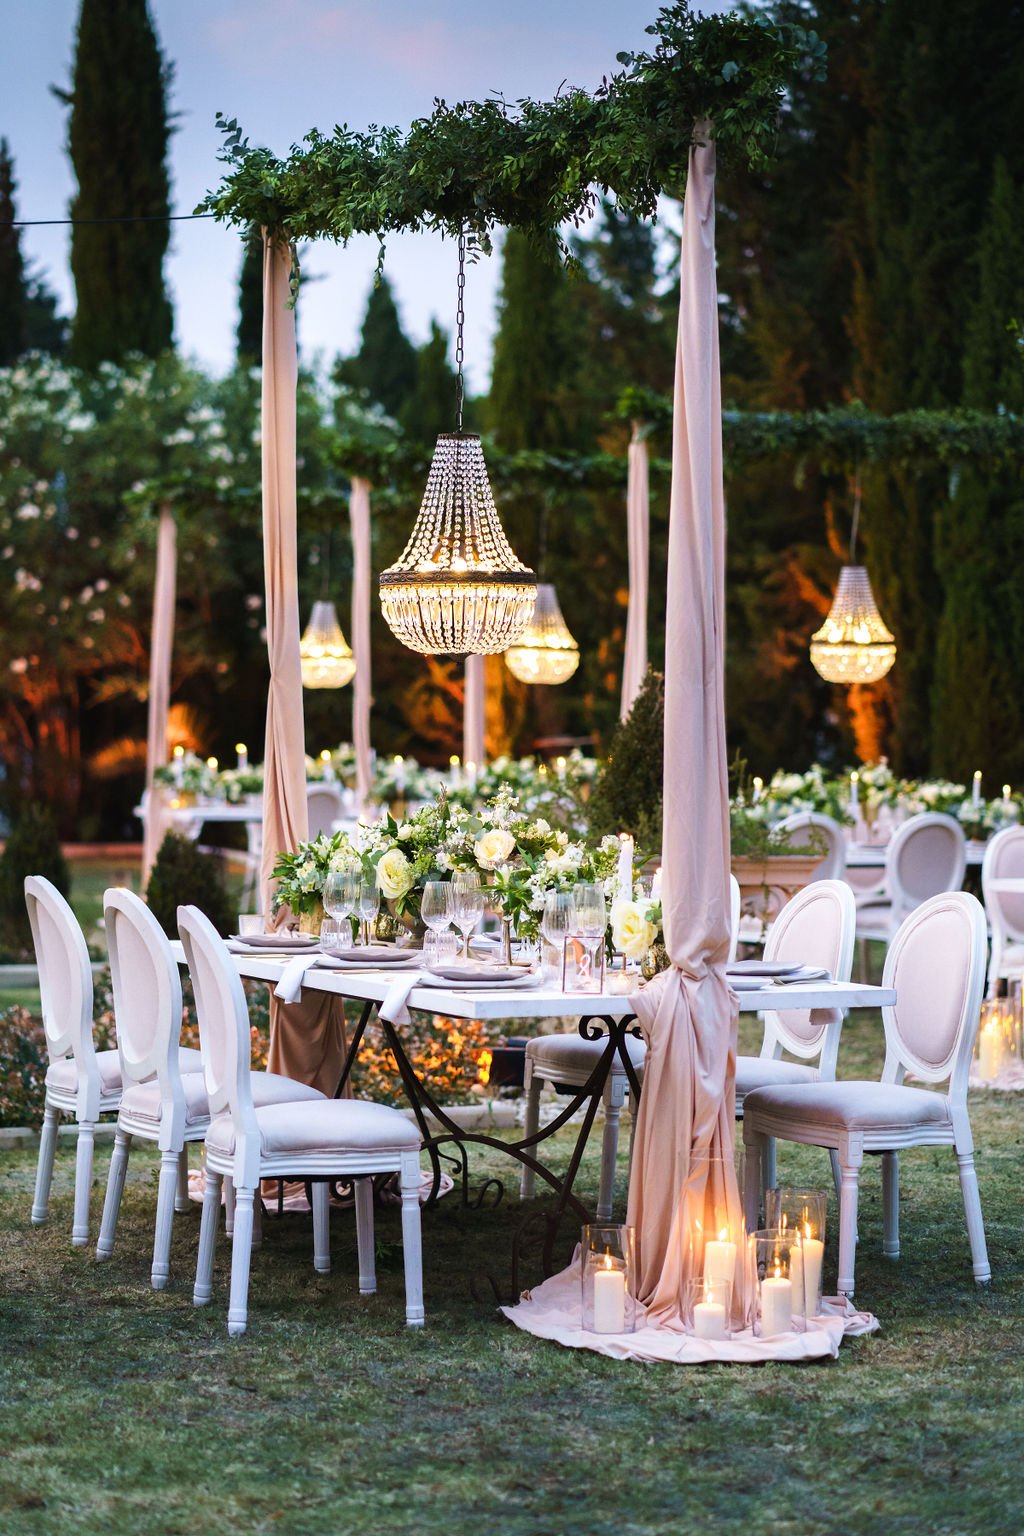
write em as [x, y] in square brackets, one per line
[548, 1002]
[872, 855]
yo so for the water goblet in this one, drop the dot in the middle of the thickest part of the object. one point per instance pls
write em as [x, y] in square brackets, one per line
[339, 899]
[436, 909]
[468, 905]
[368, 903]
[559, 923]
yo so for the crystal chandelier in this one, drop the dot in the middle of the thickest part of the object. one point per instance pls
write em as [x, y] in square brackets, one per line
[547, 652]
[458, 589]
[325, 654]
[853, 645]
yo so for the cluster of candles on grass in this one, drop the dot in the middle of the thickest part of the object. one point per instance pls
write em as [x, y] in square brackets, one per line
[999, 1043]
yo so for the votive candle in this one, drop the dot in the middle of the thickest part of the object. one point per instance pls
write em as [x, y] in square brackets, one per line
[609, 1300]
[776, 1305]
[976, 788]
[242, 754]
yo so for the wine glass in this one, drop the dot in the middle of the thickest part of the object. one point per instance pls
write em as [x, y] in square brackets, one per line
[339, 898]
[592, 917]
[437, 908]
[368, 903]
[468, 905]
[559, 923]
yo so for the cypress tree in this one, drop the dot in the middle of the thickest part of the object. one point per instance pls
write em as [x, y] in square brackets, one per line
[13, 290]
[117, 137]
[249, 334]
[530, 359]
[431, 406]
[385, 365]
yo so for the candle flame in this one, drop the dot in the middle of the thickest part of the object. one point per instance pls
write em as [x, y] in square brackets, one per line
[778, 1270]
[723, 1235]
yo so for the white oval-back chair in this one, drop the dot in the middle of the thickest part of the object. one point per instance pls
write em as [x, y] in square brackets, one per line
[324, 807]
[328, 1139]
[80, 1080]
[818, 827]
[936, 966]
[1002, 885]
[927, 855]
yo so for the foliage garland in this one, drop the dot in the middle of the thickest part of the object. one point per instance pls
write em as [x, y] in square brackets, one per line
[532, 165]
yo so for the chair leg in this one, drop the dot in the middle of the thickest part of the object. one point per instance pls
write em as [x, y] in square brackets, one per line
[614, 1096]
[44, 1168]
[181, 1199]
[241, 1254]
[411, 1240]
[891, 1204]
[769, 1175]
[833, 1157]
[364, 1237]
[203, 1288]
[975, 1222]
[752, 1145]
[83, 1182]
[257, 1218]
[531, 1125]
[229, 1205]
[115, 1189]
[170, 1162]
[848, 1195]
[321, 1203]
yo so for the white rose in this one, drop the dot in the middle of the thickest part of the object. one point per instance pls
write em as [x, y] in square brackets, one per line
[632, 932]
[541, 827]
[394, 874]
[494, 848]
[559, 863]
[405, 831]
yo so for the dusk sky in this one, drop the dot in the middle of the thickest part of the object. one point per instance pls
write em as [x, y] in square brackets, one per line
[282, 67]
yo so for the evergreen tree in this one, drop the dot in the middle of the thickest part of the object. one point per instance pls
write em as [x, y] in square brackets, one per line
[13, 292]
[531, 361]
[385, 365]
[431, 406]
[250, 301]
[118, 133]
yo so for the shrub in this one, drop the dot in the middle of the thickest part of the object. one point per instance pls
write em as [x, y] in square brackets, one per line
[23, 1063]
[627, 794]
[184, 876]
[33, 848]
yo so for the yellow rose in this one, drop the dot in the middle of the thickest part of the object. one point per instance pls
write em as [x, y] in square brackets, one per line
[394, 874]
[632, 933]
[494, 848]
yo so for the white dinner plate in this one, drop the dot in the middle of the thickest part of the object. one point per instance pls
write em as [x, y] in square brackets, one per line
[762, 968]
[294, 943]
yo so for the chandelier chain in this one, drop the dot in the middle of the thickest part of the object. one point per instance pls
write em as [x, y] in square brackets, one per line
[460, 326]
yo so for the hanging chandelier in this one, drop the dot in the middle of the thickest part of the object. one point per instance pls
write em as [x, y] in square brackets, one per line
[546, 652]
[458, 589]
[325, 654]
[853, 645]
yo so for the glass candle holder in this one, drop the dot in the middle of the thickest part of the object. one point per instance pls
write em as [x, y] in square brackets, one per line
[606, 1274]
[708, 1310]
[804, 1210]
[996, 1045]
[712, 1218]
[779, 1281]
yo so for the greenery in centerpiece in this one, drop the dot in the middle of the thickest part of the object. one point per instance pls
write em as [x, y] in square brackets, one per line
[302, 873]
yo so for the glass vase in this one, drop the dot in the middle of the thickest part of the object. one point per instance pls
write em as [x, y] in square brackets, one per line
[804, 1210]
[778, 1277]
[606, 1279]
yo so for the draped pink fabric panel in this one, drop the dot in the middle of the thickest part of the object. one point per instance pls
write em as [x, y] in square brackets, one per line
[634, 661]
[161, 650]
[473, 750]
[688, 1014]
[362, 685]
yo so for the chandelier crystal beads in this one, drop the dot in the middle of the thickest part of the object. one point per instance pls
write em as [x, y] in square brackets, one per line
[325, 654]
[546, 652]
[853, 645]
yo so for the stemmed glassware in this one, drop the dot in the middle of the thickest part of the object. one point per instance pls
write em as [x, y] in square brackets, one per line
[437, 908]
[340, 896]
[592, 917]
[368, 901]
[468, 905]
[560, 923]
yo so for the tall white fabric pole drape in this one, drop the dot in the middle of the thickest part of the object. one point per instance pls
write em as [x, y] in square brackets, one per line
[688, 1013]
[161, 650]
[473, 713]
[362, 685]
[638, 517]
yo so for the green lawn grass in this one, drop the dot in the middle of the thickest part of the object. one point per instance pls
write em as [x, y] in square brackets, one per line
[127, 1411]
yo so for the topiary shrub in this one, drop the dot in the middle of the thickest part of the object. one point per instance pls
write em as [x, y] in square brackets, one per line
[33, 848]
[183, 876]
[627, 794]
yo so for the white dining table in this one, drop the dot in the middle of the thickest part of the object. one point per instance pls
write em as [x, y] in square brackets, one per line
[872, 855]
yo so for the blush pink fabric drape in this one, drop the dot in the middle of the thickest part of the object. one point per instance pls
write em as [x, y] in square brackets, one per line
[307, 1038]
[362, 684]
[688, 1013]
[161, 650]
[473, 750]
[634, 661]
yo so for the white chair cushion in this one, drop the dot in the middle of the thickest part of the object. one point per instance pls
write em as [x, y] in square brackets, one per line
[753, 1072]
[334, 1125]
[63, 1075]
[551, 1054]
[142, 1100]
[851, 1106]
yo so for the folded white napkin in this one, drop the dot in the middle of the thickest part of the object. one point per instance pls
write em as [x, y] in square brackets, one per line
[289, 988]
[393, 1008]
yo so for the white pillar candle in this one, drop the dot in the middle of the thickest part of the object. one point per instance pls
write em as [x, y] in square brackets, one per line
[990, 1051]
[454, 763]
[625, 872]
[720, 1260]
[854, 782]
[656, 885]
[327, 765]
[709, 1320]
[471, 775]
[178, 765]
[242, 754]
[776, 1306]
[1006, 791]
[399, 774]
[976, 788]
[609, 1301]
[212, 764]
[812, 1258]
[758, 790]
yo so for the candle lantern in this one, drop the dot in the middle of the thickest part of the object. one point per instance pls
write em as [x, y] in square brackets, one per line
[777, 1272]
[996, 1047]
[802, 1210]
[606, 1271]
[708, 1310]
